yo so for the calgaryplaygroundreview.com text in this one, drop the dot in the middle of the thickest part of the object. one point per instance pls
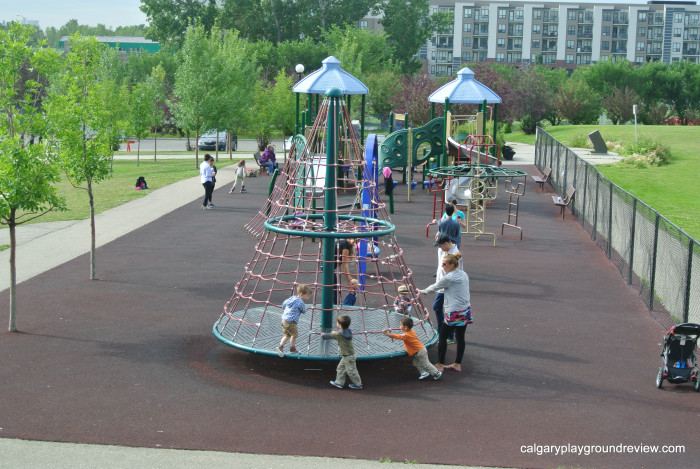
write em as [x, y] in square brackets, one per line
[586, 450]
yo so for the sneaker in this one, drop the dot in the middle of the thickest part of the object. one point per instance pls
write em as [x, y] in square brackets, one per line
[279, 351]
[424, 375]
[437, 376]
[208, 207]
[293, 350]
[337, 385]
[212, 205]
[355, 386]
[231, 191]
[243, 190]
[450, 341]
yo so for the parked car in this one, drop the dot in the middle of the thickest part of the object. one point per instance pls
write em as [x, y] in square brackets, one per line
[207, 141]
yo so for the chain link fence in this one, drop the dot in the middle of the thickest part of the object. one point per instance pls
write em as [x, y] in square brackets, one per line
[649, 251]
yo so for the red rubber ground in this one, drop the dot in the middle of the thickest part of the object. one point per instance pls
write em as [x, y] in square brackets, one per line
[562, 352]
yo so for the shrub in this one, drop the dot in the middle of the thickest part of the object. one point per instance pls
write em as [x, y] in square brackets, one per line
[646, 152]
[528, 124]
[579, 141]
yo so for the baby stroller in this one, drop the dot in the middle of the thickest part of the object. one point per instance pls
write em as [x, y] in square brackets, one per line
[679, 356]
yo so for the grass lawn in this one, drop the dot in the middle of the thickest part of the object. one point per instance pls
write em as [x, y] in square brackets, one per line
[671, 190]
[119, 189]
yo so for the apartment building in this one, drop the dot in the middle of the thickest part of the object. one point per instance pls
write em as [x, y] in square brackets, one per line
[561, 34]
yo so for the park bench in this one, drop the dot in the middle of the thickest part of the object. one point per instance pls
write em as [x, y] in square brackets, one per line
[545, 177]
[563, 203]
[262, 168]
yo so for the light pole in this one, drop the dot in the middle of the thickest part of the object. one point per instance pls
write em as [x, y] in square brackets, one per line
[299, 69]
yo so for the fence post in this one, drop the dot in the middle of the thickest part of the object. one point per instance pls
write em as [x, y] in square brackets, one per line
[632, 233]
[595, 208]
[689, 272]
[608, 250]
[584, 193]
[653, 262]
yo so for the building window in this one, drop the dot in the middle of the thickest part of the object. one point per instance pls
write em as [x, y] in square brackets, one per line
[607, 15]
[466, 56]
[518, 13]
[573, 15]
[639, 60]
[500, 57]
[570, 44]
[678, 17]
[535, 29]
[606, 30]
[501, 42]
[501, 27]
[467, 12]
[535, 43]
[432, 55]
[485, 13]
[363, 24]
[676, 47]
[605, 45]
[502, 13]
[432, 69]
[640, 46]
[467, 27]
[676, 32]
[569, 58]
[642, 16]
[467, 42]
[641, 32]
[571, 30]
[537, 14]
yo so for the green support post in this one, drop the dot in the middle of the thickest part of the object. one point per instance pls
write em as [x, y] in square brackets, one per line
[391, 121]
[495, 121]
[443, 159]
[362, 120]
[329, 216]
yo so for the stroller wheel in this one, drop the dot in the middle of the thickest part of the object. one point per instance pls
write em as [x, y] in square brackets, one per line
[660, 378]
[697, 384]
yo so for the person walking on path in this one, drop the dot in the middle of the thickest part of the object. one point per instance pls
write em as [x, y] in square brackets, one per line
[415, 349]
[457, 306]
[213, 181]
[205, 174]
[450, 227]
[240, 176]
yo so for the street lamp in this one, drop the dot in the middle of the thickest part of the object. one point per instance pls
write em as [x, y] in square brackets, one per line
[299, 69]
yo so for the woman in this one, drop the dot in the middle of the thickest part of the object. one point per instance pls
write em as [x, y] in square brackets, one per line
[268, 157]
[457, 308]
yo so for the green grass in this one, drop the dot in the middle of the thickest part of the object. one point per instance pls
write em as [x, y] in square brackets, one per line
[119, 189]
[669, 189]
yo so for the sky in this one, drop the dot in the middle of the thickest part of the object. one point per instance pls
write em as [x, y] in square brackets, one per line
[56, 13]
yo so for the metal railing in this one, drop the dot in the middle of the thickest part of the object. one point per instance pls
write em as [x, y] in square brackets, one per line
[648, 250]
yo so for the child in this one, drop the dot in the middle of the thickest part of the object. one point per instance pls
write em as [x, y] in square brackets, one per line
[240, 176]
[348, 365]
[293, 308]
[351, 297]
[402, 304]
[415, 349]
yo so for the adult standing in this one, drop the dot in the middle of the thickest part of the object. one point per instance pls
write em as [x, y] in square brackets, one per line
[268, 157]
[213, 181]
[205, 174]
[450, 227]
[458, 311]
[445, 246]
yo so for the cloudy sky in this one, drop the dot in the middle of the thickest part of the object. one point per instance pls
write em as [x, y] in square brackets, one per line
[56, 13]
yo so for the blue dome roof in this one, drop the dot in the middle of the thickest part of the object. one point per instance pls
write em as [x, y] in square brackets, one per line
[464, 89]
[330, 75]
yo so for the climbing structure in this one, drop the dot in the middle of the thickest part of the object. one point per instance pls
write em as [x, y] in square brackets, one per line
[324, 194]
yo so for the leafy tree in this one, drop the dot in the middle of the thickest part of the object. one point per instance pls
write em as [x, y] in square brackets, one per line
[535, 95]
[619, 104]
[169, 19]
[27, 171]
[501, 79]
[384, 88]
[606, 74]
[197, 82]
[144, 109]
[321, 15]
[360, 51]
[248, 17]
[82, 122]
[408, 24]
[578, 103]
[413, 99]
[274, 109]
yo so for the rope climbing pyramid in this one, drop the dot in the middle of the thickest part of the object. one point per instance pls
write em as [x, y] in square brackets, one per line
[325, 226]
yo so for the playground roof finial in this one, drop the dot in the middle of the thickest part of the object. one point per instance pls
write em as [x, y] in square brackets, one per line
[330, 75]
[464, 90]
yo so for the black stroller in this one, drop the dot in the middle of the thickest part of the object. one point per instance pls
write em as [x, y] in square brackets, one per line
[679, 356]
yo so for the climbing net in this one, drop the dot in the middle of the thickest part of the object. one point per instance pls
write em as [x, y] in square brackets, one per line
[315, 207]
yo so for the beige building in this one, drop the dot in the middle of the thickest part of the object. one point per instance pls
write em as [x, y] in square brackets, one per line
[560, 34]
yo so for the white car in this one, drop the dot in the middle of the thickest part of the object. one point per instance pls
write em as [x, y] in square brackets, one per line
[207, 141]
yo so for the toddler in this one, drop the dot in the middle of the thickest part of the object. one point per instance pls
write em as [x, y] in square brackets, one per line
[240, 176]
[415, 349]
[293, 308]
[348, 360]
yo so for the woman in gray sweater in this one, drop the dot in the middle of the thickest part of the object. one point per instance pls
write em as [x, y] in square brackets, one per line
[457, 308]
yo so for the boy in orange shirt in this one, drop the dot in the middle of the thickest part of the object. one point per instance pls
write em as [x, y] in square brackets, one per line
[415, 349]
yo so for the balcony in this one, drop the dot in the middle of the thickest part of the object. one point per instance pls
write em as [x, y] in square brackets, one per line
[655, 51]
[585, 35]
[689, 22]
[690, 52]
[586, 49]
[619, 51]
[619, 36]
[447, 46]
[552, 34]
[549, 48]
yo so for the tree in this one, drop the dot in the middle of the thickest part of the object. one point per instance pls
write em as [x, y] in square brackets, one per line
[578, 103]
[144, 107]
[82, 122]
[360, 51]
[321, 15]
[274, 109]
[535, 90]
[197, 82]
[169, 19]
[27, 171]
[408, 24]
[619, 104]
[413, 98]
[384, 90]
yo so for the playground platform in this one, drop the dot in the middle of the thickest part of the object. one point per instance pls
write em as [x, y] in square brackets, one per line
[562, 352]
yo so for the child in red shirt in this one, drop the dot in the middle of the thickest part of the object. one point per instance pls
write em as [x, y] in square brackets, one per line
[415, 349]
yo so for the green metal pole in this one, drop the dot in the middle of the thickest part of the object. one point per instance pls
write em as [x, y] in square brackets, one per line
[362, 120]
[329, 215]
[444, 146]
[495, 126]
[484, 116]
[296, 117]
[391, 122]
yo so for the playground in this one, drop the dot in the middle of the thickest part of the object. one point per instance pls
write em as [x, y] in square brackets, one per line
[562, 352]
